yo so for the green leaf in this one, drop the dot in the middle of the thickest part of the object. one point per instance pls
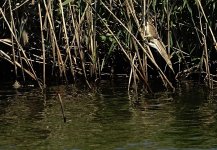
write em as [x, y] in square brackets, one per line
[103, 38]
[66, 2]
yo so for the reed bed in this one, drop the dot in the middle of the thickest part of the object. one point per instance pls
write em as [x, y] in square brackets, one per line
[87, 39]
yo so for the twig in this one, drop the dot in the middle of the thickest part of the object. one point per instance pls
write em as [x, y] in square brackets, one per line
[20, 5]
[62, 108]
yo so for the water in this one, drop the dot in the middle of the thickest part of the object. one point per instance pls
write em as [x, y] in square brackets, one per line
[108, 119]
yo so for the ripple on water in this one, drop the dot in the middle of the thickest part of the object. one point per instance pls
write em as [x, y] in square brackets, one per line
[108, 118]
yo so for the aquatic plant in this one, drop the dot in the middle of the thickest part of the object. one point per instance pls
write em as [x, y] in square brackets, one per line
[73, 40]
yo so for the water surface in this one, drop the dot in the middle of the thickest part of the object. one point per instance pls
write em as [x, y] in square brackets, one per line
[108, 118]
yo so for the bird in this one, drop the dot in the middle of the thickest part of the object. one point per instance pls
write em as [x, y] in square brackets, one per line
[151, 30]
[155, 41]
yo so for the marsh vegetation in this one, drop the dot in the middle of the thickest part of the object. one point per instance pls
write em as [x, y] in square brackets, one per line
[88, 39]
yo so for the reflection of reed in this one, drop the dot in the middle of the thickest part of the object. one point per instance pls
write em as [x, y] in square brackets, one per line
[108, 119]
[62, 108]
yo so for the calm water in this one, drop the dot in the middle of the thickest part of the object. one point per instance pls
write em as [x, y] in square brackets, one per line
[109, 119]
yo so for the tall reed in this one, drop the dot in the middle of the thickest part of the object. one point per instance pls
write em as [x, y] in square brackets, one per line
[83, 39]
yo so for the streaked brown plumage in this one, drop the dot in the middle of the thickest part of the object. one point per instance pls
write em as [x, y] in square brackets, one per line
[155, 42]
[151, 30]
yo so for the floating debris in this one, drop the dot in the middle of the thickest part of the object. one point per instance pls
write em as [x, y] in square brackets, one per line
[16, 85]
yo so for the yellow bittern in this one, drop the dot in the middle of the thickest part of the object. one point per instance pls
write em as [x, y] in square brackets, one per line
[155, 41]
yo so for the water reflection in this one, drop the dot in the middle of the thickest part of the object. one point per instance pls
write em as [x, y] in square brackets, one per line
[108, 118]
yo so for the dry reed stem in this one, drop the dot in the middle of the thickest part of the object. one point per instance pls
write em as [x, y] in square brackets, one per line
[60, 60]
[8, 58]
[133, 75]
[128, 57]
[160, 46]
[168, 12]
[205, 56]
[62, 107]
[43, 46]
[77, 25]
[164, 78]
[66, 40]
[20, 5]
[210, 29]
[145, 63]
[143, 66]
[21, 49]
[12, 39]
